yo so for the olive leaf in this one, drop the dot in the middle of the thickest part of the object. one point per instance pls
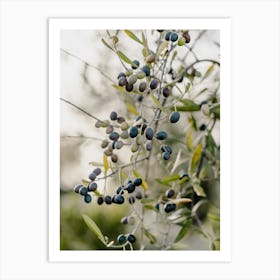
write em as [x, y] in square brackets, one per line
[122, 175]
[184, 231]
[150, 236]
[216, 111]
[107, 45]
[209, 71]
[210, 143]
[157, 103]
[187, 87]
[124, 58]
[199, 190]
[173, 56]
[145, 42]
[192, 121]
[169, 178]
[131, 109]
[106, 164]
[94, 163]
[161, 47]
[188, 106]
[189, 140]
[94, 228]
[191, 105]
[195, 158]
[133, 36]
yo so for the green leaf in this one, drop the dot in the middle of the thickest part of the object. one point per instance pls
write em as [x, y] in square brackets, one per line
[210, 143]
[145, 52]
[107, 45]
[216, 111]
[150, 236]
[145, 42]
[187, 88]
[189, 139]
[213, 217]
[173, 56]
[97, 193]
[184, 180]
[147, 200]
[160, 182]
[204, 171]
[184, 231]
[209, 71]
[199, 190]
[192, 121]
[191, 104]
[94, 228]
[157, 103]
[124, 58]
[133, 36]
[94, 163]
[195, 157]
[131, 109]
[122, 176]
[170, 178]
[149, 207]
[188, 106]
[162, 46]
[106, 164]
[119, 88]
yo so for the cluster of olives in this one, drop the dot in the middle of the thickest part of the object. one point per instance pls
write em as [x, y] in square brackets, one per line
[113, 142]
[129, 79]
[123, 238]
[117, 198]
[131, 76]
[140, 134]
[173, 37]
[92, 187]
[167, 206]
[132, 79]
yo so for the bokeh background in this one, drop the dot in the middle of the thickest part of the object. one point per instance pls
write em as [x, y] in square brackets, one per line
[87, 72]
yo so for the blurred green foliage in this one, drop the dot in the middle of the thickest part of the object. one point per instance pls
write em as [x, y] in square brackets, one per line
[74, 233]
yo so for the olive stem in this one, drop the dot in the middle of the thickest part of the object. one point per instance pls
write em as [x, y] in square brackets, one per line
[120, 167]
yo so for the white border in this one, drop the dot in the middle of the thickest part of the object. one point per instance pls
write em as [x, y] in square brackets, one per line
[255, 128]
[55, 254]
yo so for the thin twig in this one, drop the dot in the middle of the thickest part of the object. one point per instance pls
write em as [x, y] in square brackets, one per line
[80, 109]
[81, 136]
[88, 64]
